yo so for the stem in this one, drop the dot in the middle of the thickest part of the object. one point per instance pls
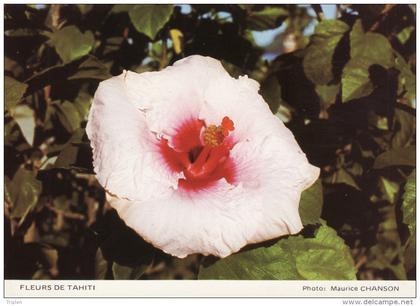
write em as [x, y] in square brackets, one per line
[164, 58]
[319, 13]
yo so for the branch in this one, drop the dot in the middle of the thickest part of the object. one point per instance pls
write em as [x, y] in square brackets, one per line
[382, 16]
[318, 10]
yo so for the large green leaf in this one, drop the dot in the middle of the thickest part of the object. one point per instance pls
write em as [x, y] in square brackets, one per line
[310, 206]
[268, 18]
[324, 257]
[72, 44]
[150, 18]
[366, 49]
[317, 62]
[409, 203]
[14, 91]
[396, 157]
[23, 190]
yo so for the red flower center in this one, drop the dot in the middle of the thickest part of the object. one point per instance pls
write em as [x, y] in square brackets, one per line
[201, 153]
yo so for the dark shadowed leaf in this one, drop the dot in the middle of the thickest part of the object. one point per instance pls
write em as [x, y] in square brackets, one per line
[101, 265]
[317, 62]
[271, 91]
[68, 155]
[129, 272]
[82, 104]
[14, 91]
[295, 258]
[68, 115]
[72, 44]
[396, 157]
[366, 49]
[150, 18]
[119, 244]
[91, 68]
[342, 176]
[24, 190]
[310, 205]
[121, 8]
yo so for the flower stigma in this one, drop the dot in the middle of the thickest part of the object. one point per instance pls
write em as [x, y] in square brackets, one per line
[201, 153]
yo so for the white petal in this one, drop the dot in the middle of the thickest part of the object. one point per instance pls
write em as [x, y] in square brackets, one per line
[218, 223]
[175, 93]
[125, 156]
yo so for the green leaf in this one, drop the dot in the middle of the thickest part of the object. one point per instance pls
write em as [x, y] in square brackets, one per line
[366, 49]
[311, 202]
[11, 132]
[408, 208]
[24, 190]
[406, 79]
[121, 8]
[68, 155]
[387, 258]
[82, 103]
[101, 265]
[72, 44]
[324, 257]
[410, 254]
[68, 115]
[14, 91]
[91, 68]
[327, 93]
[128, 272]
[396, 157]
[405, 129]
[405, 34]
[268, 18]
[409, 203]
[271, 92]
[317, 62]
[85, 8]
[342, 176]
[150, 18]
[389, 189]
[25, 118]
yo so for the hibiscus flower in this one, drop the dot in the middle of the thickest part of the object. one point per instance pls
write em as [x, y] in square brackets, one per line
[194, 161]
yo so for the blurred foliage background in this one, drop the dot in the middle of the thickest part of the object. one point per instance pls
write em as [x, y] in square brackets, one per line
[341, 77]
